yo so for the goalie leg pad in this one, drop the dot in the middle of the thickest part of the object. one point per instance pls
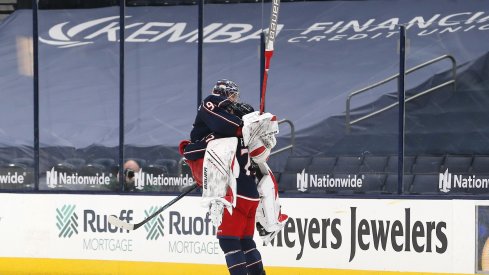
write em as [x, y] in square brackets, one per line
[269, 207]
[235, 257]
[253, 257]
[269, 218]
[220, 170]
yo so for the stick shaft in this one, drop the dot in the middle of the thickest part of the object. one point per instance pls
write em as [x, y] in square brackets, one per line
[272, 32]
[166, 206]
[268, 56]
[272, 28]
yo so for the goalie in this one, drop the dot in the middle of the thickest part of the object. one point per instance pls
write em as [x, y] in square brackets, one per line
[229, 143]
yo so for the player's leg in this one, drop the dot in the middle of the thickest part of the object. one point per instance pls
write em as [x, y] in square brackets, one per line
[229, 233]
[253, 257]
[235, 257]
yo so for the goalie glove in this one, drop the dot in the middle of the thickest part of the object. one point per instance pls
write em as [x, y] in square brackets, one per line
[216, 210]
[241, 109]
[259, 135]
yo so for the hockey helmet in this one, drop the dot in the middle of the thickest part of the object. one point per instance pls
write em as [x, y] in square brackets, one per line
[226, 88]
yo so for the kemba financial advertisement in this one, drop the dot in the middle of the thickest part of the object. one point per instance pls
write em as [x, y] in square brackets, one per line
[338, 40]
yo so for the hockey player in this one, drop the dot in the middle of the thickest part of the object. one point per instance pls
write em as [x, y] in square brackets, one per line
[220, 163]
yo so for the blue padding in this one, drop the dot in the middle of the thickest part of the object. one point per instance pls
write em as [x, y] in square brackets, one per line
[235, 258]
[253, 257]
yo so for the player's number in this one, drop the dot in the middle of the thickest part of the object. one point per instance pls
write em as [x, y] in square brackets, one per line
[209, 105]
[248, 162]
[209, 138]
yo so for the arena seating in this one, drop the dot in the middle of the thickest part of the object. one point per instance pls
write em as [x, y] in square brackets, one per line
[170, 165]
[140, 161]
[321, 164]
[379, 173]
[347, 164]
[108, 163]
[373, 183]
[373, 164]
[76, 162]
[427, 164]
[288, 182]
[155, 170]
[457, 164]
[391, 183]
[480, 164]
[392, 164]
[27, 162]
[91, 170]
[6, 8]
[424, 184]
[297, 164]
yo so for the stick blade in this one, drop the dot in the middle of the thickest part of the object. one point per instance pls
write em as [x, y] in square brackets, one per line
[121, 224]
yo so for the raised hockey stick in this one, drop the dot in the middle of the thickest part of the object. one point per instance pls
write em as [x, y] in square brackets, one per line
[129, 226]
[272, 32]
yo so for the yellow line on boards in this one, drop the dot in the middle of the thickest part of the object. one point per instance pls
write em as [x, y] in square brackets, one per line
[34, 266]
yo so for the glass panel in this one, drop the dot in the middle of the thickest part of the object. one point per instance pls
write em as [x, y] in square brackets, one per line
[446, 111]
[161, 92]
[16, 86]
[231, 47]
[345, 133]
[79, 94]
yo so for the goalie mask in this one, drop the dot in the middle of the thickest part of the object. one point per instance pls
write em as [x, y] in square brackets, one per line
[226, 88]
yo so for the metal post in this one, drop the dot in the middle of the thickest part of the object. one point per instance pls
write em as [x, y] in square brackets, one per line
[199, 51]
[35, 56]
[401, 91]
[262, 61]
[122, 24]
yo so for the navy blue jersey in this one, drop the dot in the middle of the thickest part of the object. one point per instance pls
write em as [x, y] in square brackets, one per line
[246, 183]
[213, 117]
[213, 121]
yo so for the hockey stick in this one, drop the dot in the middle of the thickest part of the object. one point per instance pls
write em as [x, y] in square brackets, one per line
[129, 226]
[272, 32]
